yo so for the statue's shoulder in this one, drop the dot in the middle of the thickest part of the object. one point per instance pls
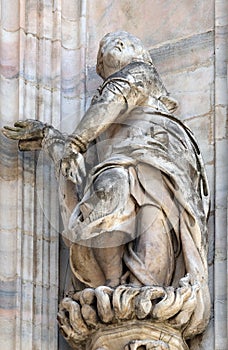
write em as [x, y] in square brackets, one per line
[122, 81]
[134, 74]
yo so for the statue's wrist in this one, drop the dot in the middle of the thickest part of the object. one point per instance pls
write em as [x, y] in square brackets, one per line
[76, 144]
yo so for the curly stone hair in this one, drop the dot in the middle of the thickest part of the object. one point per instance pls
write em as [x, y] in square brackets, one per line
[141, 54]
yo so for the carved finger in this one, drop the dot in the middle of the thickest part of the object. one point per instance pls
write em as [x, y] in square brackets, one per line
[69, 169]
[74, 173]
[12, 128]
[72, 176]
[11, 133]
[6, 132]
[77, 170]
[30, 124]
[81, 164]
[22, 133]
[23, 123]
[64, 167]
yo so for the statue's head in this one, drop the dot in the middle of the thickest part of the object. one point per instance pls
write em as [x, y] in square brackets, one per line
[117, 50]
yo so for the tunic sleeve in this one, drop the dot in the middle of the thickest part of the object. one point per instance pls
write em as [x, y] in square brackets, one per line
[116, 96]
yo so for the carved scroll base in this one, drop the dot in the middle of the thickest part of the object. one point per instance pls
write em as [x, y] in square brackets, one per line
[128, 317]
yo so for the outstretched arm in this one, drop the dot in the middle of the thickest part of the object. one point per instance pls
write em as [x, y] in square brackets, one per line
[34, 135]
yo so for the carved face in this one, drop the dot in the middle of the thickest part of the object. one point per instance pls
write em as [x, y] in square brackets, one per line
[118, 50]
[117, 53]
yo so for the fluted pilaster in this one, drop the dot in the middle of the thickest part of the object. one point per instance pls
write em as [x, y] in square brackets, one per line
[30, 88]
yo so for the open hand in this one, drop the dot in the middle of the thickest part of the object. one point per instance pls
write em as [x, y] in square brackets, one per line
[26, 130]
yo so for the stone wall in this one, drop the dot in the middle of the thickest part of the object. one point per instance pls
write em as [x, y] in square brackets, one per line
[47, 71]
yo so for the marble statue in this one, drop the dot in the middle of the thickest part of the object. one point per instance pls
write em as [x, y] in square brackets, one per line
[134, 201]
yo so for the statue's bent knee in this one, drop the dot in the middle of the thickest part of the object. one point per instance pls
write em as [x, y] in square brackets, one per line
[106, 207]
[111, 186]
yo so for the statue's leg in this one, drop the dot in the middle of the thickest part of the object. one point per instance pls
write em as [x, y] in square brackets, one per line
[111, 189]
[153, 248]
[110, 262]
[105, 221]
